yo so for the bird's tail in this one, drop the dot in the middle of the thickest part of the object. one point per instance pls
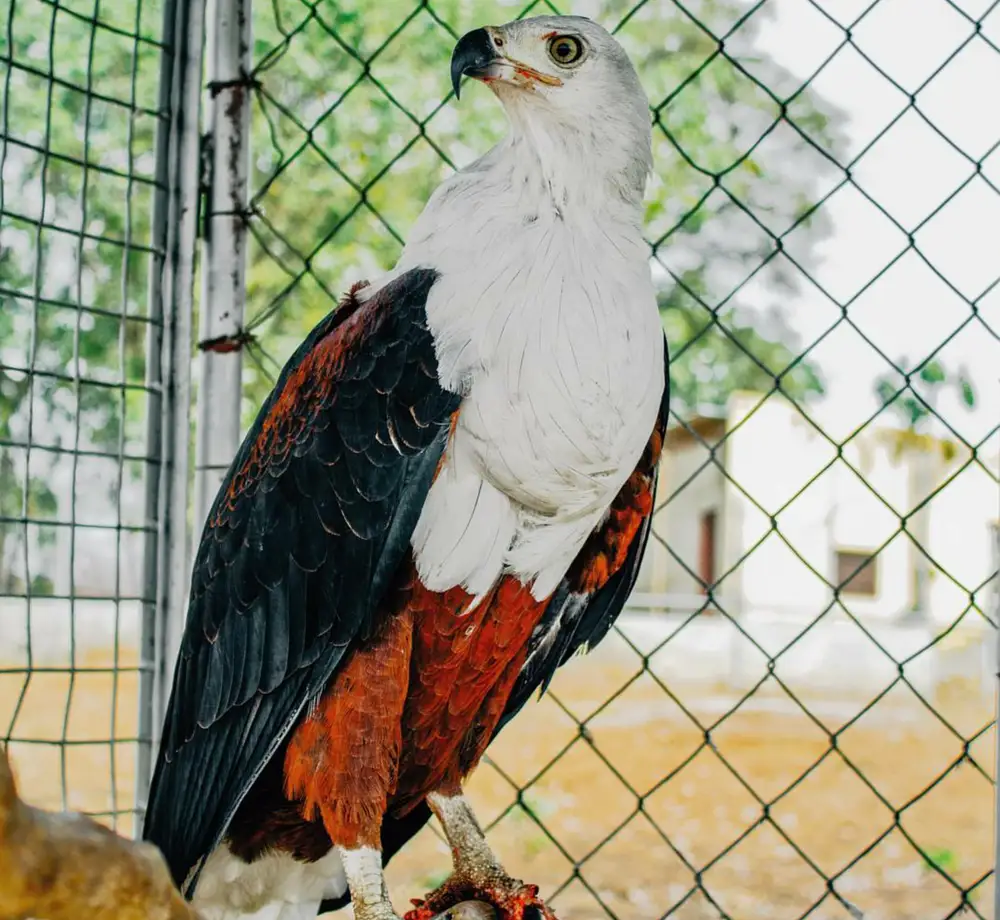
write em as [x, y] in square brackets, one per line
[272, 887]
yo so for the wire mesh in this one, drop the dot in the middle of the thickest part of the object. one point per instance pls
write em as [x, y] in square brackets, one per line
[789, 721]
[685, 813]
[80, 115]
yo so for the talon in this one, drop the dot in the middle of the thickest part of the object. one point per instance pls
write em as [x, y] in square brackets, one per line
[458, 899]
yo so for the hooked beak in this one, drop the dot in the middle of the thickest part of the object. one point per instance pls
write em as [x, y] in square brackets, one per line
[476, 56]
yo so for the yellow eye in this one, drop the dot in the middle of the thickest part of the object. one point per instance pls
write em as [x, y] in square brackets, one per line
[565, 49]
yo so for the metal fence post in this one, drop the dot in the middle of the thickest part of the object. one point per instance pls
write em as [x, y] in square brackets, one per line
[996, 723]
[227, 153]
[168, 370]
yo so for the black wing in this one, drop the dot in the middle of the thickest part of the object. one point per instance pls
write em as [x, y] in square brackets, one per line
[308, 528]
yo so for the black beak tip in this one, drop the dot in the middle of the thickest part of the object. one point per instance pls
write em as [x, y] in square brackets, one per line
[472, 57]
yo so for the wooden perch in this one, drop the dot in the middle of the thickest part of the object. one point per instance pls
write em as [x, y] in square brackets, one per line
[68, 867]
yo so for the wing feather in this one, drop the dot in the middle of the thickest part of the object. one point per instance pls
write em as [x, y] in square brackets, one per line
[301, 543]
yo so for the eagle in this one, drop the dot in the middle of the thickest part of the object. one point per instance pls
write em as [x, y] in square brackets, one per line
[446, 495]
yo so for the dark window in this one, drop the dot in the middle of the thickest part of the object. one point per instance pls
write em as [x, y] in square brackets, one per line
[855, 580]
[706, 551]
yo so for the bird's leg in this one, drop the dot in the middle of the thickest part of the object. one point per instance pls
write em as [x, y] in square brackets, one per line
[477, 871]
[369, 894]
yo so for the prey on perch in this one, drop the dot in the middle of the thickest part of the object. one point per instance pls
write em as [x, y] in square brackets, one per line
[446, 495]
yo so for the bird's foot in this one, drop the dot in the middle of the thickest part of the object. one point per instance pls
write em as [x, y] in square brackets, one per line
[512, 899]
[379, 910]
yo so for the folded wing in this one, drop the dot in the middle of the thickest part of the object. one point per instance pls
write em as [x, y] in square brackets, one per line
[308, 529]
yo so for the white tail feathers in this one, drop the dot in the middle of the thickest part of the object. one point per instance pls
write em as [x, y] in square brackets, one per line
[464, 530]
[273, 887]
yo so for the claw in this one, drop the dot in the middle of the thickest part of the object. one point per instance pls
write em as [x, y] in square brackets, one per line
[512, 901]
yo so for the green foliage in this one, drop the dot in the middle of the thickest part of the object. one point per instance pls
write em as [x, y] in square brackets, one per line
[537, 805]
[735, 352]
[916, 403]
[941, 859]
[322, 140]
[351, 134]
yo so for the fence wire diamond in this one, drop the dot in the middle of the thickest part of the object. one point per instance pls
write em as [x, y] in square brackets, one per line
[638, 789]
[77, 248]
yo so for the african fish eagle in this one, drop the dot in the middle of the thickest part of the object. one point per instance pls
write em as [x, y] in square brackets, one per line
[446, 495]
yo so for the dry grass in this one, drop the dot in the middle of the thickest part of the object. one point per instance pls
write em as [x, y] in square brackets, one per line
[97, 713]
[831, 815]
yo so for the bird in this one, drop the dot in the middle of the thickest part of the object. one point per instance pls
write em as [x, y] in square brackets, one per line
[445, 497]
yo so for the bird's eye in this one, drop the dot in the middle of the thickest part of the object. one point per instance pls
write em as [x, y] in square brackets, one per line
[565, 49]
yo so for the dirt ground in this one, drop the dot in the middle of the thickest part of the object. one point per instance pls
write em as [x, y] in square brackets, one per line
[697, 799]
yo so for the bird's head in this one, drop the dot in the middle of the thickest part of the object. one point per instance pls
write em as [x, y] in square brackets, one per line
[567, 85]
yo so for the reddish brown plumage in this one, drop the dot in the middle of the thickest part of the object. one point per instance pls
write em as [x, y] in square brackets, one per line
[604, 552]
[463, 668]
[412, 710]
[341, 762]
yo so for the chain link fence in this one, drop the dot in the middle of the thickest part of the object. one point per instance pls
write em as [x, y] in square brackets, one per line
[795, 717]
[352, 129]
[78, 253]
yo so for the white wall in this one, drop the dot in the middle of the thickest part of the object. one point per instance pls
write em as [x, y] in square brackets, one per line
[783, 469]
[690, 484]
[93, 558]
[962, 542]
[772, 455]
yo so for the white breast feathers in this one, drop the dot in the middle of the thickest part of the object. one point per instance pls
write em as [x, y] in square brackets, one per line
[544, 317]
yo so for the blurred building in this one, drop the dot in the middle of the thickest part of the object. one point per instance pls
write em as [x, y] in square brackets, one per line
[761, 515]
[762, 504]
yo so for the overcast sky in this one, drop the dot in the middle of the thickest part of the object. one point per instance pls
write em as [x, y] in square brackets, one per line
[910, 172]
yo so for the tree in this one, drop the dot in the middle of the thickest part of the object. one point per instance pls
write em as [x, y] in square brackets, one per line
[721, 151]
[349, 139]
